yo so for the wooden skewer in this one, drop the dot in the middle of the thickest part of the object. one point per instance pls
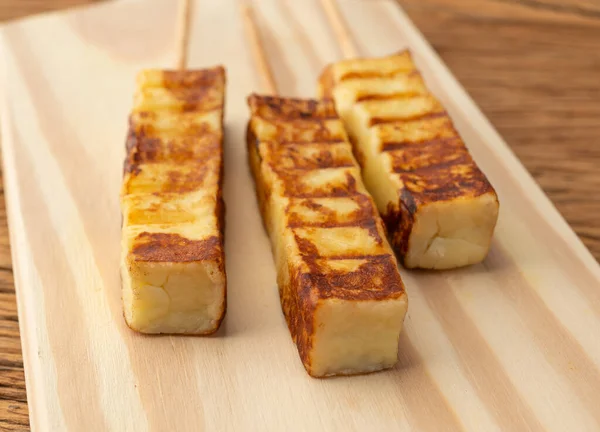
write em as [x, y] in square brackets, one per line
[340, 29]
[258, 51]
[183, 36]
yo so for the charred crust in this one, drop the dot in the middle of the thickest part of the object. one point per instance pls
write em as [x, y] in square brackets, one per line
[299, 310]
[399, 221]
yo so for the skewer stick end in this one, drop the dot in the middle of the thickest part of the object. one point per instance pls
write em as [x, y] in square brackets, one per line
[184, 19]
[256, 46]
[343, 36]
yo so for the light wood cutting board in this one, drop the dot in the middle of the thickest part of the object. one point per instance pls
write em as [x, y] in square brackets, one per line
[511, 344]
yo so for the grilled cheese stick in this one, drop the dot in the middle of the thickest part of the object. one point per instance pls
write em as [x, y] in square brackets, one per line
[172, 266]
[439, 208]
[339, 285]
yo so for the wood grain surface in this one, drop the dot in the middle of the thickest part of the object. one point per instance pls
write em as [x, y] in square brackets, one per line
[530, 65]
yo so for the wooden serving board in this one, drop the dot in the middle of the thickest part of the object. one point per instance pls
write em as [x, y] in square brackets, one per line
[511, 344]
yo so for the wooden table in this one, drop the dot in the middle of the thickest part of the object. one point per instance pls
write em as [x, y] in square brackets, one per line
[531, 66]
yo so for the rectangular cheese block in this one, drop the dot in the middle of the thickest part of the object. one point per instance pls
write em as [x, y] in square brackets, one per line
[173, 266]
[340, 289]
[439, 208]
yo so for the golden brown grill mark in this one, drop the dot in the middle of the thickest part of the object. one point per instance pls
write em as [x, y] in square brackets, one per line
[174, 178]
[166, 247]
[384, 97]
[284, 142]
[407, 145]
[184, 129]
[286, 109]
[185, 181]
[417, 117]
[373, 280]
[374, 74]
[198, 100]
[443, 182]
[142, 149]
[327, 217]
[415, 131]
[370, 225]
[172, 121]
[336, 224]
[299, 121]
[169, 148]
[294, 186]
[306, 247]
[308, 156]
[325, 138]
[412, 157]
[299, 131]
[168, 93]
[203, 78]
[451, 161]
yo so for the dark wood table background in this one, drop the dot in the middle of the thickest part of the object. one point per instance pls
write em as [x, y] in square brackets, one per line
[533, 66]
